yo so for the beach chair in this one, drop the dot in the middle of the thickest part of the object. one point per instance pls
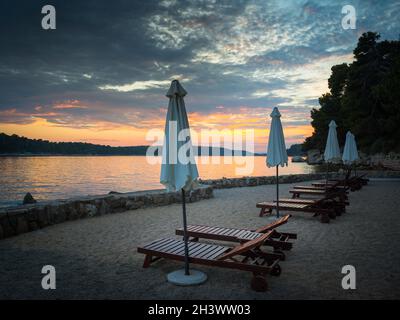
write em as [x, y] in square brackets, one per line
[325, 202]
[245, 257]
[330, 186]
[277, 240]
[351, 184]
[325, 213]
[340, 196]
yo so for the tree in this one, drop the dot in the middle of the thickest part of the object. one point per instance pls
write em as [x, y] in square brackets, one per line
[364, 98]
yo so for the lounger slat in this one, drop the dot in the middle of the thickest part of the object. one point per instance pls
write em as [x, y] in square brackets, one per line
[202, 251]
[195, 250]
[215, 230]
[157, 243]
[218, 253]
[232, 232]
[207, 255]
[171, 247]
[226, 231]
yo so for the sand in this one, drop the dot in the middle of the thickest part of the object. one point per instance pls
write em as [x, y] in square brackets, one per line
[96, 258]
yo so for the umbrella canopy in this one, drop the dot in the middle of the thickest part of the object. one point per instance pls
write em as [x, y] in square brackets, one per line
[276, 151]
[354, 150]
[332, 151]
[178, 170]
[350, 153]
[347, 156]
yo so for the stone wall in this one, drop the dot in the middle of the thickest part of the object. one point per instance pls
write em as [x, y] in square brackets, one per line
[21, 219]
[262, 180]
[25, 218]
[291, 178]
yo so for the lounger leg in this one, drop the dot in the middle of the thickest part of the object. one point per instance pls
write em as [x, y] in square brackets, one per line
[264, 211]
[324, 218]
[147, 261]
[259, 282]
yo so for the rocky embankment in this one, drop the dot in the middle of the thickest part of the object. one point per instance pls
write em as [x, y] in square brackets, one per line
[30, 217]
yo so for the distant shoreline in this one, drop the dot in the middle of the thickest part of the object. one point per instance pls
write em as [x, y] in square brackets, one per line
[106, 155]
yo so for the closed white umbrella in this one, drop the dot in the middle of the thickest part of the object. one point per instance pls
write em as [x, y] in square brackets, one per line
[347, 156]
[179, 170]
[276, 151]
[332, 151]
[354, 150]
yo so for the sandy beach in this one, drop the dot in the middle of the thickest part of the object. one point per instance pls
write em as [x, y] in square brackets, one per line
[96, 258]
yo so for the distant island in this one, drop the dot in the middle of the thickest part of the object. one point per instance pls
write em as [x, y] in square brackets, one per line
[16, 145]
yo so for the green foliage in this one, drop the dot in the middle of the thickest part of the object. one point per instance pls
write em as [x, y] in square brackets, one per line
[364, 97]
[295, 150]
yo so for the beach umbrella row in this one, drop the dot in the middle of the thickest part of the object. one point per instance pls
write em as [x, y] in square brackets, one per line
[179, 172]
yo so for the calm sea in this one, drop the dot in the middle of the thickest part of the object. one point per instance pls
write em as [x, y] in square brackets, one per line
[59, 177]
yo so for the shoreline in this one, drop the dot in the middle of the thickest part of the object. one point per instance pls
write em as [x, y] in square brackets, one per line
[20, 219]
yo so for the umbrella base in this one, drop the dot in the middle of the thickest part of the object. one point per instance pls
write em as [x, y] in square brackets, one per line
[180, 279]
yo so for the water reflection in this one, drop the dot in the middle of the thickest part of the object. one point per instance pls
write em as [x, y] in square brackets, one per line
[53, 177]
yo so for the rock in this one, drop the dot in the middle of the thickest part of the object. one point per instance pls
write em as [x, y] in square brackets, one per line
[117, 202]
[28, 199]
[104, 208]
[134, 204]
[91, 210]
[314, 157]
[8, 229]
[22, 225]
[42, 217]
[114, 192]
[72, 213]
[33, 225]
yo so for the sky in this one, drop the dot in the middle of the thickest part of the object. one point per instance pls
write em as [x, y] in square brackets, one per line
[101, 76]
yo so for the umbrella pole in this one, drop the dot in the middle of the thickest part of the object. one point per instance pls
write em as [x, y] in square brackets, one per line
[185, 238]
[327, 170]
[277, 192]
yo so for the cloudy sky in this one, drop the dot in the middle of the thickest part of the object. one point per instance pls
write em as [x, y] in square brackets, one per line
[102, 75]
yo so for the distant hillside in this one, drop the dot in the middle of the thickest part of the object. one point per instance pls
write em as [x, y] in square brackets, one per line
[15, 144]
[295, 150]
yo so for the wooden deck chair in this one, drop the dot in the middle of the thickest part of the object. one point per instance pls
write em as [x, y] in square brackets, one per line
[325, 202]
[339, 195]
[268, 207]
[245, 257]
[277, 240]
[333, 186]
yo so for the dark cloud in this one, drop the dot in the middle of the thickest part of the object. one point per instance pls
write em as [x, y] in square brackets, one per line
[116, 58]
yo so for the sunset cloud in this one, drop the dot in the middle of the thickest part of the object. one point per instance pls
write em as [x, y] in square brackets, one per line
[106, 70]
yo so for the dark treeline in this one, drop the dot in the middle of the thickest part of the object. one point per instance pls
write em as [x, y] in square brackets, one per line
[19, 145]
[364, 97]
[14, 144]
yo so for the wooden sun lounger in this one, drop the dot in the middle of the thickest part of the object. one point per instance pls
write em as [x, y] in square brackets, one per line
[339, 195]
[326, 214]
[351, 184]
[324, 203]
[246, 257]
[355, 182]
[277, 240]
